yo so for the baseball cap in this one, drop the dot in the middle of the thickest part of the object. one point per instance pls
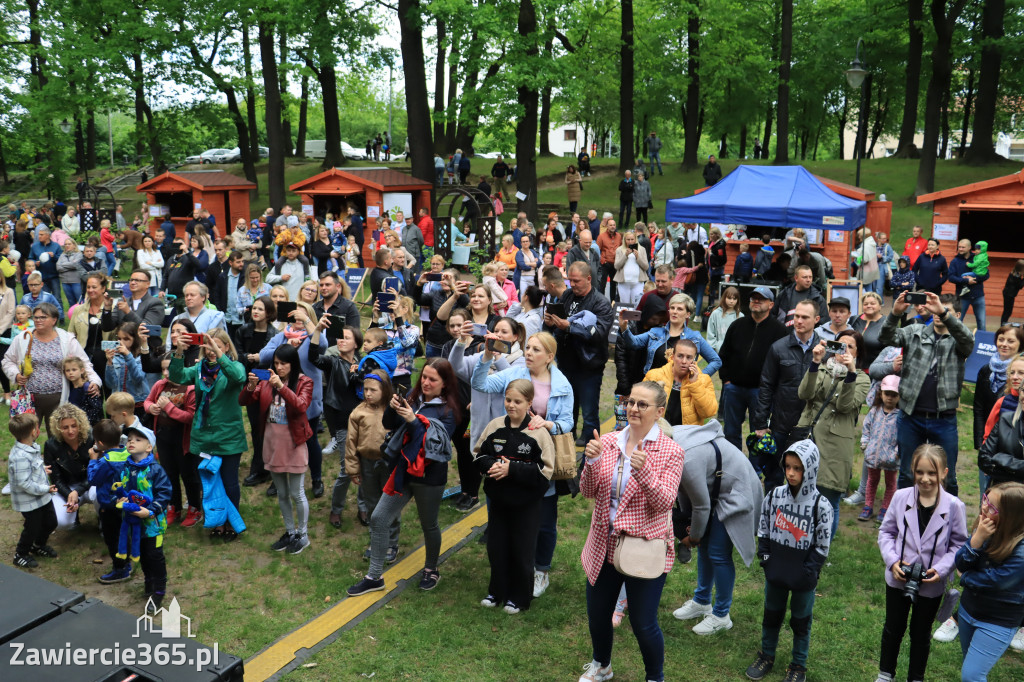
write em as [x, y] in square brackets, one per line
[839, 302]
[142, 431]
[763, 292]
[891, 383]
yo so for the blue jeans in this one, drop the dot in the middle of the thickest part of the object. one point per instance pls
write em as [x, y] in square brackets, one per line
[715, 567]
[52, 285]
[912, 432]
[644, 597]
[979, 310]
[655, 157]
[111, 262]
[72, 292]
[833, 496]
[432, 351]
[547, 537]
[801, 607]
[982, 645]
[696, 292]
[738, 402]
[586, 389]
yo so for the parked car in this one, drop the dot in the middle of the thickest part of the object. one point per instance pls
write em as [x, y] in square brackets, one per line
[351, 152]
[264, 152]
[195, 158]
[214, 156]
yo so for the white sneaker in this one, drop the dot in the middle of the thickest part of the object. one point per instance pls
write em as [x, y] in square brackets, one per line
[540, 583]
[712, 624]
[691, 610]
[511, 609]
[489, 601]
[593, 672]
[947, 632]
[857, 498]
[1017, 643]
[332, 445]
[7, 489]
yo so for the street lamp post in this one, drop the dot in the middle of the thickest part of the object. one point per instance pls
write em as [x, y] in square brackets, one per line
[855, 76]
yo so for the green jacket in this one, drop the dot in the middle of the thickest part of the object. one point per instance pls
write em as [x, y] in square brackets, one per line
[224, 432]
[836, 433]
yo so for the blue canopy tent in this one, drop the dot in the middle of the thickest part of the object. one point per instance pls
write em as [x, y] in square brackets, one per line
[781, 196]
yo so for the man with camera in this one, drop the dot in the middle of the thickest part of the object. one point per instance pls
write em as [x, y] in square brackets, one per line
[582, 337]
[933, 374]
[140, 307]
[778, 405]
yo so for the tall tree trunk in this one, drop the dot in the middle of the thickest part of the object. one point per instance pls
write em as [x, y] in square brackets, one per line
[982, 149]
[626, 87]
[286, 122]
[944, 146]
[416, 103]
[526, 127]
[723, 147]
[90, 140]
[80, 161]
[938, 88]
[3, 162]
[243, 132]
[785, 57]
[767, 140]
[965, 125]
[442, 51]
[300, 134]
[545, 122]
[743, 141]
[272, 117]
[332, 122]
[451, 122]
[138, 81]
[905, 148]
[817, 136]
[250, 98]
[691, 137]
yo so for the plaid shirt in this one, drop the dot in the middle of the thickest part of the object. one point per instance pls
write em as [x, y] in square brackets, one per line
[645, 508]
[921, 347]
[30, 487]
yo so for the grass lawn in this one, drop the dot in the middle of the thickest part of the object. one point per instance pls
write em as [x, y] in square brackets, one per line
[244, 597]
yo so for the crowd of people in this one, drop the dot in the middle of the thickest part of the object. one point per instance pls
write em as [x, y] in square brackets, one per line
[142, 398]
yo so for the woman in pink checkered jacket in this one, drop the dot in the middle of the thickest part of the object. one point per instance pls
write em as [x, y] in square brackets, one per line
[633, 477]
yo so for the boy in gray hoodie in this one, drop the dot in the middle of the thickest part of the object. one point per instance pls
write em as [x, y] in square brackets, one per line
[793, 537]
[31, 492]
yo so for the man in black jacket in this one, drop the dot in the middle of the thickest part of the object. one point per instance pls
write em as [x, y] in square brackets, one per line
[743, 352]
[626, 197]
[778, 404]
[225, 296]
[141, 308]
[499, 171]
[333, 303]
[583, 345]
[712, 171]
[801, 289]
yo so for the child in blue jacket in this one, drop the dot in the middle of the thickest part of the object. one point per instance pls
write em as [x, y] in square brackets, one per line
[106, 460]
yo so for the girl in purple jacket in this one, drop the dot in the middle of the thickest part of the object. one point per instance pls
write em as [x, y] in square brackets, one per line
[924, 527]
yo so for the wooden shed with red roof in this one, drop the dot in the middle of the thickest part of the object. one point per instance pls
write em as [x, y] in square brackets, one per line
[179, 193]
[372, 191]
[991, 211]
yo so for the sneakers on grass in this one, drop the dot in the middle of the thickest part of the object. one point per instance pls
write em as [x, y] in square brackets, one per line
[712, 624]
[25, 561]
[1017, 643]
[541, 580]
[865, 514]
[365, 585]
[947, 632]
[691, 610]
[429, 580]
[856, 498]
[282, 543]
[332, 445]
[117, 576]
[795, 673]
[489, 601]
[299, 543]
[761, 666]
[593, 672]
[511, 609]
[45, 551]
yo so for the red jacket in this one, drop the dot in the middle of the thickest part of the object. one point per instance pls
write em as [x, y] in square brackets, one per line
[914, 248]
[427, 228]
[296, 405]
[182, 408]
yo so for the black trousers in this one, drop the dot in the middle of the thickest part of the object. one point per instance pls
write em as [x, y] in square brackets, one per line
[154, 566]
[110, 525]
[469, 475]
[511, 546]
[1008, 302]
[181, 467]
[39, 523]
[256, 466]
[625, 209]
[607, 274]
[897, 608]
[641, 215]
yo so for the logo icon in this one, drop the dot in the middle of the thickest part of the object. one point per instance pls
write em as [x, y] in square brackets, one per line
[170, 621]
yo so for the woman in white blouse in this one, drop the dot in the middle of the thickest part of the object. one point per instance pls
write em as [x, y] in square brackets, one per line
[150, 259]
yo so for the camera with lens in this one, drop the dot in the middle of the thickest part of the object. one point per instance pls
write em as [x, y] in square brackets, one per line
[914, 573]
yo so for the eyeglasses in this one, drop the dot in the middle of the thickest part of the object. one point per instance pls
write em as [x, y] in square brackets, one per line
[641, 405]
[139, 280]
[988, 507]
[40, 317]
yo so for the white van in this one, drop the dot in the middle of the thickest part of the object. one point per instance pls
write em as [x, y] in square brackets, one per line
[316, 149]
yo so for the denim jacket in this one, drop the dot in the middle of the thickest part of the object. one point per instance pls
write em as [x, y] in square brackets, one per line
[993, 593]
[656, 337]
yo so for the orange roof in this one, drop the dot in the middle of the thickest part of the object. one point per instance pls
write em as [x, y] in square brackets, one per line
[200, 180]
[848, 191]
[378, 178]
[1017, 177]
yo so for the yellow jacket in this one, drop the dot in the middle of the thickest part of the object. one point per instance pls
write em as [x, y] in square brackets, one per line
[697, 398]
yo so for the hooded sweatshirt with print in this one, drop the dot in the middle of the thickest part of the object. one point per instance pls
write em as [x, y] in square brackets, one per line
[792, 536]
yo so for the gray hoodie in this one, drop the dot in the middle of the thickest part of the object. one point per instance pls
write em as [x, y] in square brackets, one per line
[792, 548]
[740, 493]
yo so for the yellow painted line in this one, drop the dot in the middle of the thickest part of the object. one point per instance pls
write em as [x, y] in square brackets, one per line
[281, 653]
[278, 655]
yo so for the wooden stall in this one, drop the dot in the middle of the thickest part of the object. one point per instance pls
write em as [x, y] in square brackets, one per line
[180, 193]
[373, 191]
[992, 211]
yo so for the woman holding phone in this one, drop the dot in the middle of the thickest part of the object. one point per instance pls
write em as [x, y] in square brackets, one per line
[481, 315]
[434, 398]
[86, 321]
[252, 288]
[250, 339]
